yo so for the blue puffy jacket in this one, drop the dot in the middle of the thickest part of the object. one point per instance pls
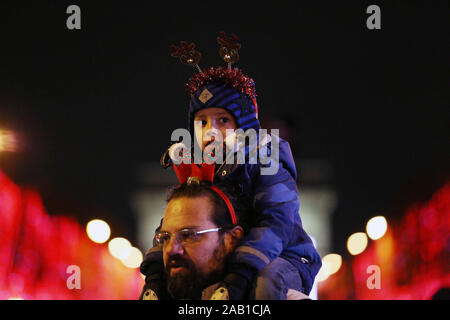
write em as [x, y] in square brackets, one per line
[278, 230]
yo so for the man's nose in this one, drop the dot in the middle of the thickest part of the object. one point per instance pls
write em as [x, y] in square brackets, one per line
[173, 247]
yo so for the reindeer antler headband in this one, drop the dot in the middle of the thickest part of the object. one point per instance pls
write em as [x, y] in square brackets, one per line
[187, 54]
[229, 52]
[192, 174]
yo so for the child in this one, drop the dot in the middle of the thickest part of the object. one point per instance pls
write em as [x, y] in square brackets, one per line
[277, 254]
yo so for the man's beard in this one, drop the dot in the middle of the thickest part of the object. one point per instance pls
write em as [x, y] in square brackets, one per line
[190, 285]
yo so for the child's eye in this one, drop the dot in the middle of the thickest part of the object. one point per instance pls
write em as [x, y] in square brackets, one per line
[224, 120]
[202, 121]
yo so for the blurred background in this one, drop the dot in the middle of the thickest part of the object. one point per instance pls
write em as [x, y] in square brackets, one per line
[86, 114]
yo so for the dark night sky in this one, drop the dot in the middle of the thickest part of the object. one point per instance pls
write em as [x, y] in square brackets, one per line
[93, 105]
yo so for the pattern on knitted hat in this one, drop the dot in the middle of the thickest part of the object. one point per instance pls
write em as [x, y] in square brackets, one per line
[239, 105]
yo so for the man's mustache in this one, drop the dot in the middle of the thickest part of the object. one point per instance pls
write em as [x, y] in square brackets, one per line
[177, 261]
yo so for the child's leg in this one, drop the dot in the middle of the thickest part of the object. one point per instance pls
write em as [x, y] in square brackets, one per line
[152, 267]
[273, 282]
[155, 288]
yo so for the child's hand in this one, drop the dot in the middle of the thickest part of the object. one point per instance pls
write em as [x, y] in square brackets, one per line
[155, 288]
[233, 287]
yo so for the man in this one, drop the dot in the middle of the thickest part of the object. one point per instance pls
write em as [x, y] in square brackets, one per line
[197, 236]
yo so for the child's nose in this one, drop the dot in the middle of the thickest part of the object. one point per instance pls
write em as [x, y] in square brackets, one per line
[210, 125]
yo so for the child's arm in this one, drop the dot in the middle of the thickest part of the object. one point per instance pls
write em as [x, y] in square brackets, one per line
[278, 229]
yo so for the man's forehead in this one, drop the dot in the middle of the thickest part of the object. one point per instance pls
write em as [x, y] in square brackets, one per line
[186, 212]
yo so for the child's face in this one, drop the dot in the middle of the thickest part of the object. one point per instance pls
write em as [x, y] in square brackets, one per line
[212, 118]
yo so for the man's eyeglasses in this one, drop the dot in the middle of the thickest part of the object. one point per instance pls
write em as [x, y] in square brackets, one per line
[184, 236]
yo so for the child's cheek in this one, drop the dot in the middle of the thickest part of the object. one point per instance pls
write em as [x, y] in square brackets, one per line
[198, 131]
[224, 133]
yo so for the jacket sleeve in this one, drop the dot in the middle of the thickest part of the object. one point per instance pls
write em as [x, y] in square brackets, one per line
[153, 260]
[278, 226]
[276, 203]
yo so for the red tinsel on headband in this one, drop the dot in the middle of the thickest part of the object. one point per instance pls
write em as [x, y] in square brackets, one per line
[204, 172]
[234, 78]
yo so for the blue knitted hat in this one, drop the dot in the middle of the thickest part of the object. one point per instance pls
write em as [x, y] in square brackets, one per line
[221, 95]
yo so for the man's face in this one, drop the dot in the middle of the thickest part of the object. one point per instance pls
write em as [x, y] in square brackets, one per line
[190, 267]
[212, 118]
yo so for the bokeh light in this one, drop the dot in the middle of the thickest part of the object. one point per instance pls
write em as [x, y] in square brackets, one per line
[98, 231]
[331, 263]
[43, 246]
[376, 227]
[357, 243]
[134, 259]
[334, 261]
[323, 273]
[119, 248]
[8, 141]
